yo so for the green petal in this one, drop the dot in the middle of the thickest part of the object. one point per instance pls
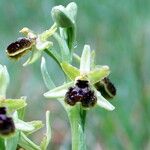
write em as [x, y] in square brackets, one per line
[58, 92]
[71, 71]
[85, 60]
[102, 102]
[47, 137]
[40, 46]
[13, 104]
[23, 126]
[98, 74]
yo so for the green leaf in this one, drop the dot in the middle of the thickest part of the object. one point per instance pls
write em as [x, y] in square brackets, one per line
[98, 74]
[71, 71]
[46, 77]
[85, 60]
[12, 142]
[47, 137]
[58, 92]
[13, 104]
[102, 102]
[65, 52]
[4, 81]
[26, 143]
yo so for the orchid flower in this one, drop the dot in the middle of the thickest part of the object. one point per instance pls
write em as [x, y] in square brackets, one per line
[32, 42]
[86, 73]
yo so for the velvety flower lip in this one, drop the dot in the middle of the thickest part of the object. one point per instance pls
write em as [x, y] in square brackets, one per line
[3, 110]
[19, 48]
[81, 92]
[7, 126]
[82, 78]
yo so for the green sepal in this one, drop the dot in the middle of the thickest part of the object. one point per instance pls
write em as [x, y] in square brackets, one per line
[102, 102]
[34, 57]
[13, 104]
[85, 60]
[98, 74]
[71, 71]
[58, 92]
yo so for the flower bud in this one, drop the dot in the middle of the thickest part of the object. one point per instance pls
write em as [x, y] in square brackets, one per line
[61, 16]
[81, 92]
[106, 88]
[19, 48]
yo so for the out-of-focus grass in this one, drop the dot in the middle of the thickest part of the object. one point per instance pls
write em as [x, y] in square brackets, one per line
[119, 31]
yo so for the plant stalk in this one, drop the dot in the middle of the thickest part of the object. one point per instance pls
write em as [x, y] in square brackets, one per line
[77, 122]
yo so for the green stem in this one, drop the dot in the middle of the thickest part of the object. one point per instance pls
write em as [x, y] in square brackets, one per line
[2, 143]
[53, 56]
[27, 143]
[77, 122]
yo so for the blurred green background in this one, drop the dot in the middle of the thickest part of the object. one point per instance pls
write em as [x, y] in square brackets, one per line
[119, 31]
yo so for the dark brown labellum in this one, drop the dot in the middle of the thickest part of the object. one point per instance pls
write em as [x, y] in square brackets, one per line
[81, 92]
[106, 88]
[3, 110]
[19, 48]
[7, 126]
